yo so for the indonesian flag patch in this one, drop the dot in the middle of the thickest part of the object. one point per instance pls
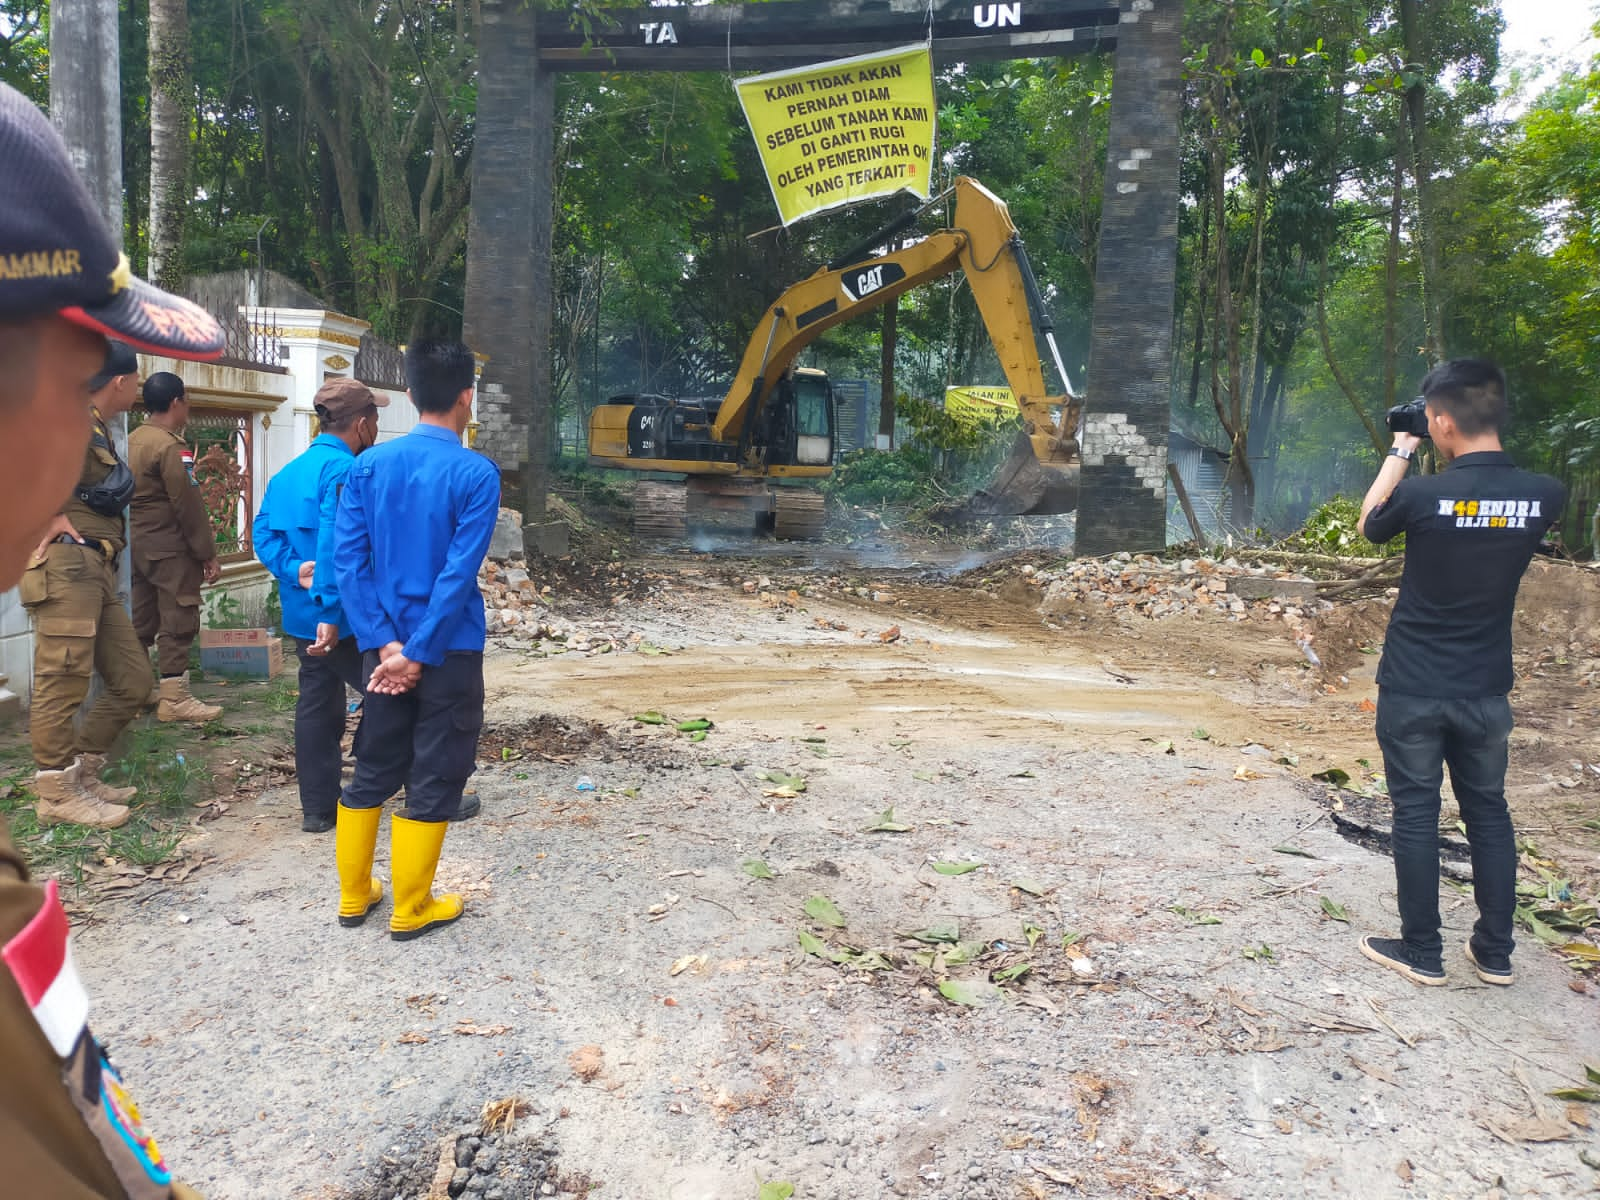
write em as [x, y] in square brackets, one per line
[40, 960]
[188, 462]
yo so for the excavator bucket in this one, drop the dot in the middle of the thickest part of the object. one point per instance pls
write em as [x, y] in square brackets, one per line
[1023, 484]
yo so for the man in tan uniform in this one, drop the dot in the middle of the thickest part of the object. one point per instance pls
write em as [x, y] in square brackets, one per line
[67, 1128]
[174, 549]
[80, 625]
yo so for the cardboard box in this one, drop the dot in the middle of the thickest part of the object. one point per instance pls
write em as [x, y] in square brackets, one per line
[241, 653]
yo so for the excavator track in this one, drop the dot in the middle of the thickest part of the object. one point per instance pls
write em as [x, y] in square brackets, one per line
[798, 513]
[659, 512]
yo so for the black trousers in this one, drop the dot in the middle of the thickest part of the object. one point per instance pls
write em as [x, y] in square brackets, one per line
[1421, 736]
[425, 740]
[319, 720]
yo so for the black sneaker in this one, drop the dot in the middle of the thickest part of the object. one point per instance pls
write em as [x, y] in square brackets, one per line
[1490, 969]
[314, 823]
[470, 807]
[1397, 956]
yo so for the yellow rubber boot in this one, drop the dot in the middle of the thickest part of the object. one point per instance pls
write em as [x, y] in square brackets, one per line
[413, 858]
[355, 835]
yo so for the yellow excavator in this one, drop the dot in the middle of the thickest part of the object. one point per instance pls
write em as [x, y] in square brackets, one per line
[776, 423]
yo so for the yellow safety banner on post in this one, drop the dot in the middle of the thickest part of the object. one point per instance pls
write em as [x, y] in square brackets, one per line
[844, 131]
[972, 406]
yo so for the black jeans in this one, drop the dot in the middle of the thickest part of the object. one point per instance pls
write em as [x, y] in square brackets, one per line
[1420, 736]
[425, 739]
[319, 720]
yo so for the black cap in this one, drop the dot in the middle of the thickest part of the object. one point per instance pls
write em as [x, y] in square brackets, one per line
[56, 255]
[120, 360]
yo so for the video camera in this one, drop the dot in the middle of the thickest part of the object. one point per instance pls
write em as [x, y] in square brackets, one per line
[1410, 417]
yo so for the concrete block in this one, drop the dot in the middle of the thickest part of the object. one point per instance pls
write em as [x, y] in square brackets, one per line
[548, 539]
[507, 540]
[1259, 587]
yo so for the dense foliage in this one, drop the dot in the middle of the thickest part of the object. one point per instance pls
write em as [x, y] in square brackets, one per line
[1360, 199]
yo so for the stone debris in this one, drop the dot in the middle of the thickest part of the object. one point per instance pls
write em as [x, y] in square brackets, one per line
[1146, 586]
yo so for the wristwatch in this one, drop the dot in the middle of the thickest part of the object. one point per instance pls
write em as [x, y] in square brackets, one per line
[1401, 454]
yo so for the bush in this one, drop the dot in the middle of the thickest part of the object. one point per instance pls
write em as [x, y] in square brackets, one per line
[1334, 528]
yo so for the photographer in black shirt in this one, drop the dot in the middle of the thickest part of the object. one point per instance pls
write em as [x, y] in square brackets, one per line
[1446, 668]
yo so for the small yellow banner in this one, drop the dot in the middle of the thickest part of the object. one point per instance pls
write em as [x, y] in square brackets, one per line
[844, 131]
[980, 405]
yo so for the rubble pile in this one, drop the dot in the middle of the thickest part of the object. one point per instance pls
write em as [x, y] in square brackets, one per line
[1151, 587]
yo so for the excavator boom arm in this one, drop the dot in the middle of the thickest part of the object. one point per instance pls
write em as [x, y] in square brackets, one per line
[982, 242]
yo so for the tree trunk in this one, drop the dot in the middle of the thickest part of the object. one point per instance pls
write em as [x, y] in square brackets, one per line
[891, 339]
[171, 99]
[1416, 111]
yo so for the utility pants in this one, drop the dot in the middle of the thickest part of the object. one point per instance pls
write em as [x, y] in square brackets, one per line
[319, 722]
[80, 627]
[425, 740]
[1419, 737]
[166, 607]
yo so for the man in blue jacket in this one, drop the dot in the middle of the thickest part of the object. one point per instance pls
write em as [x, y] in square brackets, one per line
[414, 524]
[293, 535]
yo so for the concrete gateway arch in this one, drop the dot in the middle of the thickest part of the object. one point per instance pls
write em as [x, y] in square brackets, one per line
[1122, 496]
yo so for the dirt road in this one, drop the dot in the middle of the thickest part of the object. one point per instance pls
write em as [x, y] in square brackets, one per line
[1113, 820]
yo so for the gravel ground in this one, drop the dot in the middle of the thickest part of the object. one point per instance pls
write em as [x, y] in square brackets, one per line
[1176, 1012]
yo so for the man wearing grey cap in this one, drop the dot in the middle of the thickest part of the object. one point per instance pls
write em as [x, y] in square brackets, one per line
[293, 536]
[81, 625]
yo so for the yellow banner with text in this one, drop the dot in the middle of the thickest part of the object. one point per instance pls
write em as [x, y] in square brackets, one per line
[842, 131]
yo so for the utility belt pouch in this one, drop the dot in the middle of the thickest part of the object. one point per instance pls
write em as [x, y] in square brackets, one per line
[111, 495]
[32, 588]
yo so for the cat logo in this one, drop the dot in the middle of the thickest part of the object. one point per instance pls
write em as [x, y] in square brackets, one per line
[858, 285]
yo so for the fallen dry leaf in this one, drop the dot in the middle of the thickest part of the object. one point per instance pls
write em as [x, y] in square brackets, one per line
[1367, 706]
[471, 1029]
[1375, 1072]
[586, 1062]
[1404, 1170]
[891, 634]
[411, 1039]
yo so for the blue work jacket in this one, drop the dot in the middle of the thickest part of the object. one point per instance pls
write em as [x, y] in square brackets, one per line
[295, 525]
[414, 523]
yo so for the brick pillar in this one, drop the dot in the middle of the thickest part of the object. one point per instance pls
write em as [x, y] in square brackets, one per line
[502, 300]
[1122, 499]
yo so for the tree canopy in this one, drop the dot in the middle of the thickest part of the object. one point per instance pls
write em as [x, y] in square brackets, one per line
[1360, 198]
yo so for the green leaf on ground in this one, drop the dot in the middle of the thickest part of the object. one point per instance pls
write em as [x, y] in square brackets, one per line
[1010, 973]
[973, 992]
[1032, 932]
[1334, 775]
[699, 735]
[650, 718]
[812, 944]
[956, 868]
[757, 869]
[823, 911]
[1200, 735]
[775, 1189]
[782, 779]
[1194, 918]
[887, 824]
[693, 725]
[1261, 953]
[1070, 939]
[1335, 910]
[938, 932]
[925, 776]
[651, 650]
[1032, 886]
[1294, 850]
[1583, 1095]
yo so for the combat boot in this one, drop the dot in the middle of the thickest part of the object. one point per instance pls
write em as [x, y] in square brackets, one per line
[177, 704]
[64, 800]
[413, 858]
[355, 836]
[89, 768]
